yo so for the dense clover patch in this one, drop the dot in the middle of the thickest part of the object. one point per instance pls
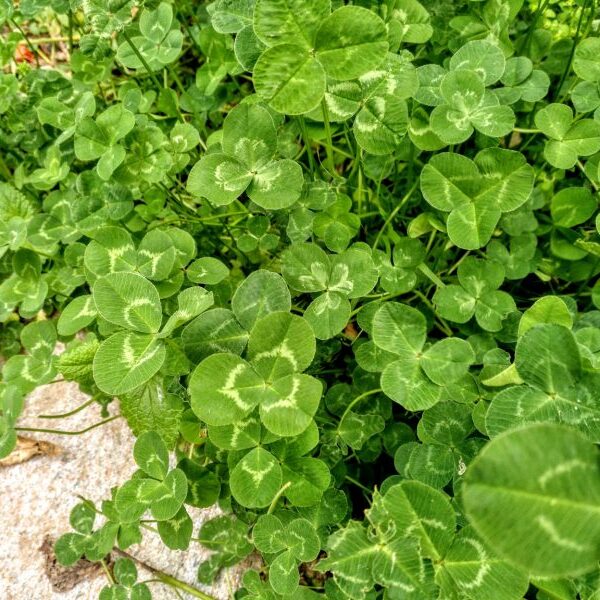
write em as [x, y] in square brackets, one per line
[336, 264]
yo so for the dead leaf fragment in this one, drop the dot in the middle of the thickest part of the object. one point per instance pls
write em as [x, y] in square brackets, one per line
[27, 449]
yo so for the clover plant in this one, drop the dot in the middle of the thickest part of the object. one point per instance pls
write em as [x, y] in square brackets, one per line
[336, 264]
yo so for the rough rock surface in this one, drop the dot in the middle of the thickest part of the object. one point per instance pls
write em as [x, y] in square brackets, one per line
[37, 496]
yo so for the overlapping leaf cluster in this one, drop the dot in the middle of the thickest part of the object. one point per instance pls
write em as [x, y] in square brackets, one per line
[336, 263]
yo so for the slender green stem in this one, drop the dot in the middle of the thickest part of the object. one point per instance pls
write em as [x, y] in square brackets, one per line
[430, 275]
[329, 147]
[28, 42]
[143, 61]
[394, 213]
[278, 495]
[582, 169]
[70, 413]
[61, 432]
[524, 130]
[358, 484]
[569, 62]
[356, 400]
[70, 31]
[107, 572]
[165, 578]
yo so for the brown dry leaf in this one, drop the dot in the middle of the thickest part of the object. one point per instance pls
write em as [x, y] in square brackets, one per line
[28, 448]
[62, 578]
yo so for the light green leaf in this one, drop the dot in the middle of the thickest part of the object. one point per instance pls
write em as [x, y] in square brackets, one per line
[290, 79]
[219, 178]
[381, 124]
[127, 360]
[191, 302]
[470, 569]
[586, 62]
[255, 479]
[289, 21]
[448, 360]
[483, 57]
[277, 185]
[151, 455]
[541, 483]
[156, 255]
[350, 42]
[214, 331]
[128, 300]
[294, 403]
[280, 344]
[260, 294]
[224, 388]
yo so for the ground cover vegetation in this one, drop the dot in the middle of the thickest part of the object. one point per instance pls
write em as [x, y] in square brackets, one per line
[336, 265]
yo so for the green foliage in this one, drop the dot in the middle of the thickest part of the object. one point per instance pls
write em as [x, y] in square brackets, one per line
[336, 264]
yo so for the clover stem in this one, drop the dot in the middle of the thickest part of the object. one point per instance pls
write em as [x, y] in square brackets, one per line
[70, 32]
[143, 61]
[306, 139]
[278, 495]
[356, 400]
[61, 432]
[70, 413]
[107, 572]
[431, 275]
[165, 578]
[569, 62]
[525, 130]
[395, 212]
[329, 147]
[358, 484]
[28, 42]
[582, 169]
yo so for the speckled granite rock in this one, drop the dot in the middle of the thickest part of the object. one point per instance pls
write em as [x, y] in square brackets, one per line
[38, 495]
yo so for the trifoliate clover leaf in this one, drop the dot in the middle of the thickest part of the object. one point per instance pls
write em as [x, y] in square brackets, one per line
[468, 106]
[409, 23]
[415, 376]
[568, 139]
[477, 295]
[247, 164]
[472, 570]
[548, 361]
[291, 75]
[476, 193]
[542, 484]
[256, 479]
[99, 138]
[157, 46]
